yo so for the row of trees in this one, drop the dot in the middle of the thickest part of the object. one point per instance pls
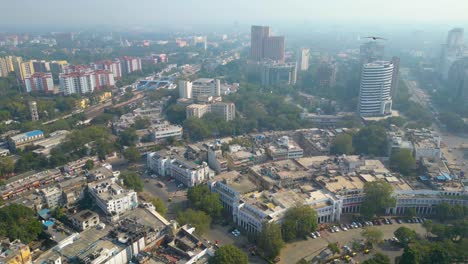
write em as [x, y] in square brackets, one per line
[448, 244]
[372, 140]
[298, 222]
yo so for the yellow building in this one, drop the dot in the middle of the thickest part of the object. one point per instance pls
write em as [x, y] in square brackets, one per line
[3, 67]
[15, 253]
[10, 60]
[26, 69]
[82, 103]
[104, 96]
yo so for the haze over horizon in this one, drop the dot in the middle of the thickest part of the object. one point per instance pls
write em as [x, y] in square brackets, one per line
[185, 13]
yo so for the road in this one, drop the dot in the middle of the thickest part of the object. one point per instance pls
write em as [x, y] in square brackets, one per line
[451, 142]
[293, 252]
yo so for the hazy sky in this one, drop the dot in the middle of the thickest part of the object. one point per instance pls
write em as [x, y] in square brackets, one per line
[186, 12]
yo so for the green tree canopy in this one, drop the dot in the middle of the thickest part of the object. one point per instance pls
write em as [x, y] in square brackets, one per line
[7, 166]
[19, 222]
[405, 235]
[132, 154]
[229, 254]
[198, 219]
[158, 205]
[342, 144]
[128, 137]
[132, 180]
[269, 240]
[298, 222]
[372, 234]
[203, 199]
[371, 140]
[378, 196]
[378, 258]
[403, 161]
[89, 165]
[175, 114]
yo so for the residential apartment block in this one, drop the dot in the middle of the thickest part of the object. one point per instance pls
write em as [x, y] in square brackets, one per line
[169, 164]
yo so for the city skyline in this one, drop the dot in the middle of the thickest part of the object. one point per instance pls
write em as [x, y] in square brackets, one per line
[53, 12]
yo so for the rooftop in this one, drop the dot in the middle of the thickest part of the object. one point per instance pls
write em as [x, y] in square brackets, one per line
[237, 181]
[27, 135]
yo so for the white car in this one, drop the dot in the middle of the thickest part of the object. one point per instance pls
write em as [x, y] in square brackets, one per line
[317, 233]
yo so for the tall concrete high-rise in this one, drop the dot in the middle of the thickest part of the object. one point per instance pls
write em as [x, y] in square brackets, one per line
[455, 38]
[326, 73]
[33, 110]
[375, 97]
[273, 48]
[451, 51]
[458, 78]
[304, 56]
[258, 34]
[263, 46]
[185, 89]
[371, 51]
[396, 75]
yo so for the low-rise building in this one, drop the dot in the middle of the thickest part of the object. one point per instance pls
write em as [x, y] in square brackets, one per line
[165, 130]
[84, 220]
[52, 196]
[285, 148]
[112, 198]
[169, 164]
[14, 252]
[196, 110]
[24, 139]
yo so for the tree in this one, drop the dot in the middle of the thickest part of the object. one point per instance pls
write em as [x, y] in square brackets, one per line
[196, 129]
[203, 199]
[438, 255]
[132, 180]
[58, 213]
[7, 166]
[269, 240]
[377, 198]
[443, 211]
[141, 123]
[405, 235]
[229, 254]
[372, 235]
[158, 205]
[298, 222]
[128, 137]
[342, 144]
[410, 212]
[378, 258]
[198, 219]
[19, 222]
[371, 140]
[410, 256]
[89, 165]
[334, 247]
[175, 114]
[132, 154]
[403, 161]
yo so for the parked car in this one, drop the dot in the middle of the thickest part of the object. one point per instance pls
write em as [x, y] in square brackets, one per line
[398, 221]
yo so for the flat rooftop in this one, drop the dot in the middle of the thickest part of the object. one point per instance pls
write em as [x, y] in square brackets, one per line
[237, 181]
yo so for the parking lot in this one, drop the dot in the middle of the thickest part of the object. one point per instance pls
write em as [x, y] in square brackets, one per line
[295, 251]
[173, 196]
